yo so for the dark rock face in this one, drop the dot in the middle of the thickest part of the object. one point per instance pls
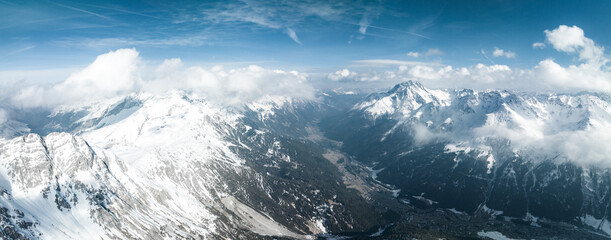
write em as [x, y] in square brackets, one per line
[299, 185]
[14, 226]
[516, 186]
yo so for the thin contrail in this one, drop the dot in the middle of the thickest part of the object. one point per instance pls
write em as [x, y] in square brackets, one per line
[486, 56]
[80, 10]
[18, 50]
[124, 11]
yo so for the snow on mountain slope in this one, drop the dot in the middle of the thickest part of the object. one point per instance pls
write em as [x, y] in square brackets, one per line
[151, 176]
[164, 166]
[169, 126]
[538, 125]
[403, 99]
[177, 166]
[70, 190]
[268, 105]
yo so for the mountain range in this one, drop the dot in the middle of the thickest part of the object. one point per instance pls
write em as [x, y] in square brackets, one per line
[407, 162]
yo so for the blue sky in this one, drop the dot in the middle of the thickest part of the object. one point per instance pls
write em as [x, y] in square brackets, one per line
[39, 34]
[318, 37]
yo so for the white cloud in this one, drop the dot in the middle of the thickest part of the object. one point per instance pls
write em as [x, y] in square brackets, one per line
[433, 52]
[546, 76]
[502, 53]
[428, 53]
[14, 80]
[389, 62]
[343, 74]
[479, 76]
[123, 71]
[567, 39]
[363, 24]
[574, 77]
[578, 146]
[110, 74]
[591, 73]
[230, 87]
[572, 39]
[293, 35]
[539, 45]
[552, 129]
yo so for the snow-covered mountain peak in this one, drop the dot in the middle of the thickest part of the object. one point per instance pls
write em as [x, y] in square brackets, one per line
[406, 85]
[531, 122]
[404, 99]
[54, 157]
[415, 91]
[172, 124]
[129, 158]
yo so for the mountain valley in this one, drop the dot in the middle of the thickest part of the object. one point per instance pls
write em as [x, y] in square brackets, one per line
[410, 162]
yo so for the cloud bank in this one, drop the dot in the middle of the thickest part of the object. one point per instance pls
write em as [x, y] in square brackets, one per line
[553, 130]
[232, 86]
[590, 72]
[109, 75]
[341, 75]
[122, 71]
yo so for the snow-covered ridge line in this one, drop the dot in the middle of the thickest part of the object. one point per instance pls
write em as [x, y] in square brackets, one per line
[402, 99]
[115, 179]
[180, 156]
[538, 126]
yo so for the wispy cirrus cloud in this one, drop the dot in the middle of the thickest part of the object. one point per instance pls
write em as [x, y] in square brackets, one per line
[19, 50]
[361, 26]
[280, 15]
[292, 16]
[293, 35]
[195, 40]
[80, 10]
